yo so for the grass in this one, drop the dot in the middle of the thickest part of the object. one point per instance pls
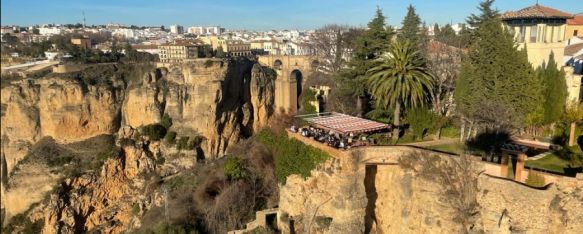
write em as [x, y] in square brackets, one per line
[455, 148]
[551, 162]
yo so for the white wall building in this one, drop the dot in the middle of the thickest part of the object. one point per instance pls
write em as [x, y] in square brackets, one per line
[125, 32]
[49, 31]
[176, 29]
[197, 30]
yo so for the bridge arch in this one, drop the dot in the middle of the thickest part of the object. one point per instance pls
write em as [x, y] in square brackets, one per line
[292, 72]
[297, 78]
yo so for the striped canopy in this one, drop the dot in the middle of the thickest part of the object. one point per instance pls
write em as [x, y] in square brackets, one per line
[342, 123]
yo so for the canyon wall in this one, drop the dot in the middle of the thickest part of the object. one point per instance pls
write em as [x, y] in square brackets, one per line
[220, 100]
[373, 192]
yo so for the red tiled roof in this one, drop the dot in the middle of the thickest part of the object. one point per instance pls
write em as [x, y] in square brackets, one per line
[536, 11]
[577, 20]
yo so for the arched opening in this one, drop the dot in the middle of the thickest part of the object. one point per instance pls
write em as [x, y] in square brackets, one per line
[297, 76]
[315, 64]
[277, 64]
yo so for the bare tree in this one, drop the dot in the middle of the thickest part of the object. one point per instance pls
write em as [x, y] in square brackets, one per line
[334, 44]
[445, 62]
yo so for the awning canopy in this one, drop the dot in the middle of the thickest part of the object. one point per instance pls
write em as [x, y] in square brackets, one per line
[342, 123]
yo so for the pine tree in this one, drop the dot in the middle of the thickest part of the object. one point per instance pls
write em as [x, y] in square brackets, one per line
[410, 30]
[369, 46]
[487, 14]
[555, 90]
[497, 87]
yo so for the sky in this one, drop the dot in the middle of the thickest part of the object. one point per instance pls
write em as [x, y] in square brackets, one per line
[250, 14]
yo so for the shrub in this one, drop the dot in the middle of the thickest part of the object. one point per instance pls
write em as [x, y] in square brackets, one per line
[23, 224]
[155, 132]
[308, 96]
[197, 140]
[135, 209]
[170, 137]
[535, 179]
[126, 142]
[160, 160]
[234, 168]
[450, 131]
[421, 120]
[166, 121]
[182, 143]
[291, 155]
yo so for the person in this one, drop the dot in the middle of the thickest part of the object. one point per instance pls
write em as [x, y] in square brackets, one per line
[294, 129]
[342, 144]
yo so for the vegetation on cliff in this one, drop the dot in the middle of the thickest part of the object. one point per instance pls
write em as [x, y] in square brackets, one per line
[291, 155]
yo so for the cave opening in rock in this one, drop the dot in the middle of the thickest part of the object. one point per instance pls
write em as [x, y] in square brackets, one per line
[371, 196]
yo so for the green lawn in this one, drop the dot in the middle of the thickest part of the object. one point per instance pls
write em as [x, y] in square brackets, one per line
[456, 148]
[551, 162]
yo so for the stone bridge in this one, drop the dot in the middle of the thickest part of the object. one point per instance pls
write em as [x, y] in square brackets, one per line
[292, 70]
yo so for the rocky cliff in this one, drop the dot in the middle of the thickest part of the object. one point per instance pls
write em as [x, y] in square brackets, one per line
[220, 100]
[353, 196]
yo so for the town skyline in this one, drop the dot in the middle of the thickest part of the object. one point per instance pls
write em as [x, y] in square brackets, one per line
[257, 16]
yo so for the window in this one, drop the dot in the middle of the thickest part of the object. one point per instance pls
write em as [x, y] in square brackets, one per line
[533, 33]
[575, 33]
[522, 34]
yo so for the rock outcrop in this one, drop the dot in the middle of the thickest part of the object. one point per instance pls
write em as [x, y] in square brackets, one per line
[99, 201]
[220, 100]
[389, 198]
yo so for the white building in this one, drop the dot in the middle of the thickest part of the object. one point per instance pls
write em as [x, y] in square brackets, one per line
[5, 30]
[124, 32]
[51, 55]
[50, 31]
[197, 30]
[176, 29]
[215, 30]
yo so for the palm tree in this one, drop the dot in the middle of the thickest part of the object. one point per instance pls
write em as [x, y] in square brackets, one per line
[401, 79]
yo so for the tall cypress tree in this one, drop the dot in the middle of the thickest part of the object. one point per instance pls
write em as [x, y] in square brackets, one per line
[370, 45]
[497, 86]
[410, 30]
[555, 90]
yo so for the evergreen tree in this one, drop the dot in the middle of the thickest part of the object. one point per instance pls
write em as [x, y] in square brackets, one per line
[369, 46]
[487, 14]
[555, 90]
[497, 86]
[410, 30]
[436, 30]
[447, 35]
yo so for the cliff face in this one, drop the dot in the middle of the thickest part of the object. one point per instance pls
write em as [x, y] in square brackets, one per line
[63, 108]
[390, 198]
[99, 201]
[219, 100]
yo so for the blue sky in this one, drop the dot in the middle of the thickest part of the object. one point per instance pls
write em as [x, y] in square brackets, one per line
[249, 14]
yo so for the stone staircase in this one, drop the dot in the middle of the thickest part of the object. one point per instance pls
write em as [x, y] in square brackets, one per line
[263, 218]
